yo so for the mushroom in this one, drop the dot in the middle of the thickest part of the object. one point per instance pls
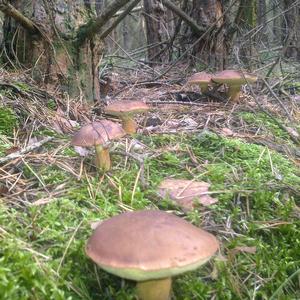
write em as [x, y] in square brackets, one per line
[125, 111]
[99, 134]
[201, 78]
[186, 192]
[234, 79]
[150, 246]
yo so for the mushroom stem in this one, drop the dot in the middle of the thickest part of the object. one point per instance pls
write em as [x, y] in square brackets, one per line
[234, 92]
[154, 289]
[102, 158]
[204, 87]
[129, 125]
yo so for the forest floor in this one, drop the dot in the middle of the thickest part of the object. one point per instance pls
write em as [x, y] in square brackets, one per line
[51, 196]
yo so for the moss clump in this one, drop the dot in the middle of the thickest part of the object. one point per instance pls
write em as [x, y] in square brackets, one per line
[42, 254]
[264, 122]
[8, 121]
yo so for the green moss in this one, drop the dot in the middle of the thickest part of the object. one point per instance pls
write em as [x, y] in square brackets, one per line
[8, 121]
[256, 208]
[265, 123]
[4, 144]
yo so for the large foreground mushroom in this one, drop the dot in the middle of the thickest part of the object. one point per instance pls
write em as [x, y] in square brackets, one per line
[99, 134]
[234, 80]
[125, 110]
[150, 247]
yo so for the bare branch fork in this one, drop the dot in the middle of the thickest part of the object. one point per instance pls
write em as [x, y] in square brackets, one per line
[94, 26]
[9, 10]
[195, 27]
[119, 18]
[86, 31]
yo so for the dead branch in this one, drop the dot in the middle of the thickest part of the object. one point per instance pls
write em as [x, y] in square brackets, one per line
[94, 26]
[180, 13]
[136, 9]
[25, 150]
[12, 12]
[120, 17]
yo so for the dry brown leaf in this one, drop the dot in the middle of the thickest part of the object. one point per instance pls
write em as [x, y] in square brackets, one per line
[61, 124]
[244, 249]
[186, 193]
[227, 132]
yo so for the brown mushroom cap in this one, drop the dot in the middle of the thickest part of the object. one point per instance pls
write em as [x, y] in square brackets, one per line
[201, 77]
[233, 77]
[126, 107]
[96, 133]
[149, 244]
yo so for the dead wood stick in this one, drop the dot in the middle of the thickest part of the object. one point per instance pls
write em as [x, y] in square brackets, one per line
[278, 100]
[9, 10]
[25, 150]
[120, 17]
[181, 14]
[181, 103]
[94, 26]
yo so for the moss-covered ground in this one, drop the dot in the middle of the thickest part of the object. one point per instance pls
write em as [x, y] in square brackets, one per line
[256, 220]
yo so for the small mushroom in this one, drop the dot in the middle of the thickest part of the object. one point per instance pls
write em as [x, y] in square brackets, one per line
[234, 79]
[150, 247]
[125, 111]
[202, 79]
[99, 134]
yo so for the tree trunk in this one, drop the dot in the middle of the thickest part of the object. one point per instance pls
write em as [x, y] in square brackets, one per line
[55, 57]
[292, 29]
[155, 29]
[247, 20]
[210, 49]
[262, 21]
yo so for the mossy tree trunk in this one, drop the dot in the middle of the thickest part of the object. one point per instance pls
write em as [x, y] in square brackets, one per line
[211, 49]
[61, 47]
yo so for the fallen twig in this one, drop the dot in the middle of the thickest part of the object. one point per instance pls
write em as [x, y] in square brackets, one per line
[25, 150]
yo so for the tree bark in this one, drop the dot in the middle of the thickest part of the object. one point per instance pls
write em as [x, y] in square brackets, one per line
[262, 20]
[246, 21]
[292, 29]
[211, 49]
[154, 20]
[64, 51]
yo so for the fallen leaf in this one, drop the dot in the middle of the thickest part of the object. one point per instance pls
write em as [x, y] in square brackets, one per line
[227, 132]
[186, 193]
[3, 190]
[12, 150]
[61, 124]
[245, 249]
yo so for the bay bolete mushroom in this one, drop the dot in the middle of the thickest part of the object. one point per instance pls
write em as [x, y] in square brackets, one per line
[234, 80]
[202, 79]
[99, 134]
[125, 110]
[150, 247]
